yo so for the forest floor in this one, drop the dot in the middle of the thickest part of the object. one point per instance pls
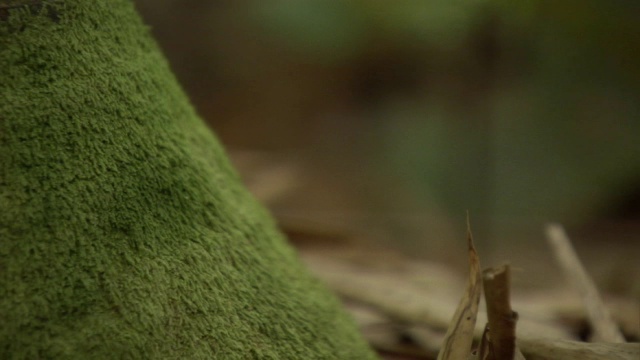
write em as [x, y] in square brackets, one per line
[549, 302]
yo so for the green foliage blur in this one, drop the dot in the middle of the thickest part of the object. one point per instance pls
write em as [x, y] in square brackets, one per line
[521, 112]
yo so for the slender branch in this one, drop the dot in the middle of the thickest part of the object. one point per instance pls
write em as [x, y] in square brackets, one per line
[502, 320]
[604, 328]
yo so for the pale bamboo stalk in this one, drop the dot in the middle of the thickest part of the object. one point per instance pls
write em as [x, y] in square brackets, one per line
[604, 328]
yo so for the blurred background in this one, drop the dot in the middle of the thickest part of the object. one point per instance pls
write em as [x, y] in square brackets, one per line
[385, 121]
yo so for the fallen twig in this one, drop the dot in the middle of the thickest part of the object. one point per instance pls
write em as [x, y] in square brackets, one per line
[604, 328]
[502, 320]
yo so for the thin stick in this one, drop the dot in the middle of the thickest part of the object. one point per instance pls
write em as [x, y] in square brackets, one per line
[502, 320]
[604, 328]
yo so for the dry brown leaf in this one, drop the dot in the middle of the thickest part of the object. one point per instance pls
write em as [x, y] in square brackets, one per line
[459, 337]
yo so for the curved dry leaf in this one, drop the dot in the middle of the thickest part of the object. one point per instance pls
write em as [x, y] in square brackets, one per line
[459, 338]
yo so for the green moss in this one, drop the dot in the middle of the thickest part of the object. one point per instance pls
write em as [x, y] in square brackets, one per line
[124, 231]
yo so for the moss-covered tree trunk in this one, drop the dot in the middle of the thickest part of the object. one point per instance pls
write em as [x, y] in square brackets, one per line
[124, 231]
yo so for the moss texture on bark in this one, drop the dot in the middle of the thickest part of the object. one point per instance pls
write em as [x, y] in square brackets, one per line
[124, 231]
